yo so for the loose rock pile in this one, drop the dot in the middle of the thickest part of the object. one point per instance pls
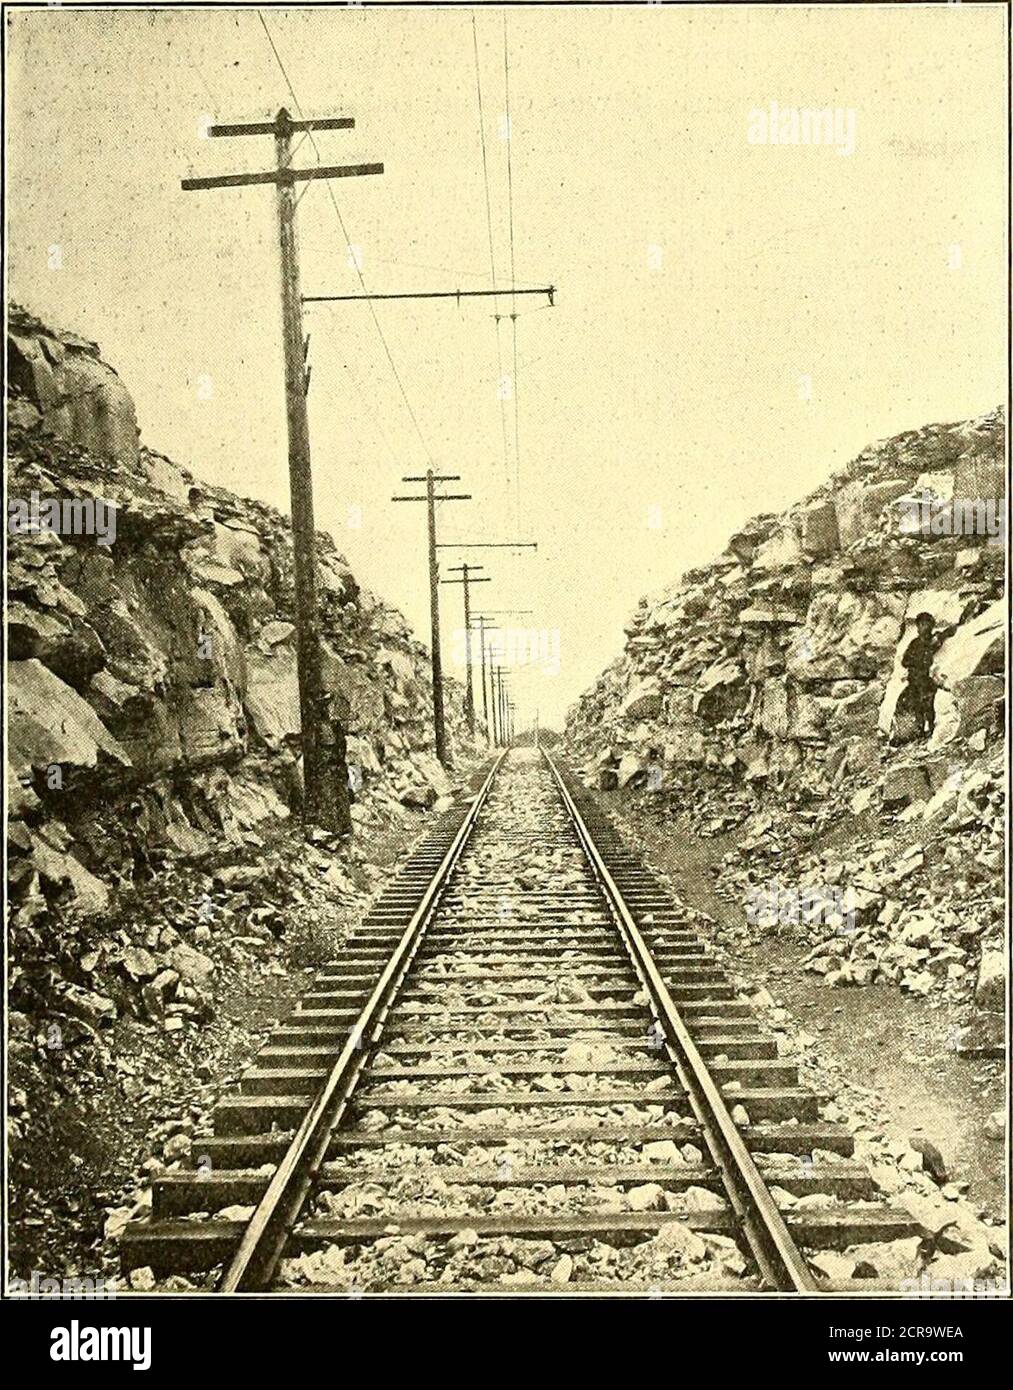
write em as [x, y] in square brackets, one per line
[153, 738]
[763, 694]
[154, 716]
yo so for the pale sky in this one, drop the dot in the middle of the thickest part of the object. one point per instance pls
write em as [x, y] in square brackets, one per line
[701, 278]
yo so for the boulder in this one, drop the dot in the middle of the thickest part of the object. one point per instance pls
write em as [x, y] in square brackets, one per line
[848, 635]
[358, 697]
[643, 700]
[271, 698]
[753, 755]
[904, 783]
[820, 536]
[971, 705]
[980, 474]
[990, 990]
[239, 549]
[689, 747]
[428, 783]
[945, 605]
[66, 645]
[976, 648]
[79, 397]
[743, 544]
[631, 765]
[139, 963]
[274, 632]
[780, 551]
[858, 506]
[86, 1004]
[49, 723]
[399, 665]
[785, 711]
[64, 873]
[857, 713]
[192, 966]
[893, 1260]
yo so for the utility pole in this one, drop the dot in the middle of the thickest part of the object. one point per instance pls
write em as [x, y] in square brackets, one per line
[537, 745]
[325, 771]
[431, 479]
[495, 711]
[501, 703]
[467, 570]
[482, 630]
[494, 695]
[466, 580]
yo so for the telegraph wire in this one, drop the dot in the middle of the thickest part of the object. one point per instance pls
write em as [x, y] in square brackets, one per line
[492, 253]
[344, 233]
[513, 272]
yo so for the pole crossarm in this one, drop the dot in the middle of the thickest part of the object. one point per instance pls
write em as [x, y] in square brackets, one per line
[510, 290]
[447, 497]
[430, 498]
[272, 127]
[487, 545]
[283, 176]
[468, 582]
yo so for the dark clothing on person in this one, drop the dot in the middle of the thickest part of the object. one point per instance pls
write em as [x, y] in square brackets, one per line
[918, 658]
[921, 688]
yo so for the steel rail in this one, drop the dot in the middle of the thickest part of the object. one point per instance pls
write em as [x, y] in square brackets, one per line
[253, 1264]
[779, 1259]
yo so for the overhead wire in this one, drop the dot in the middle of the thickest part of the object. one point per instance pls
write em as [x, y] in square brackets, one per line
[344, 232]
[513, 270]
[492, 253]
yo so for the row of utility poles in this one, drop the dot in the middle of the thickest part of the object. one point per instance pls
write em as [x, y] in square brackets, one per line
[501, 710]
[497, 708]
[325, 772]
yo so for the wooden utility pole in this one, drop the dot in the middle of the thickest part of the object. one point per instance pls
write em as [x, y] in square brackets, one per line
[482, 630]
[431, 479]
[494, 702]
[467, 570]
[325, 771]
[466, 580]
[495, 671]
[501, 703]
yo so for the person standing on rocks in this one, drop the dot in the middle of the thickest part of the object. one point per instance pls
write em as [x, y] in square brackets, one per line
[920, 692]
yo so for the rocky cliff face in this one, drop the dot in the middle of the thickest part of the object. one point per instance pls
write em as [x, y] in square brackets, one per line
[153, 705]
[769, 688]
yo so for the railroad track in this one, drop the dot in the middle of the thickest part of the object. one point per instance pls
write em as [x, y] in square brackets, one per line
[526, 1071]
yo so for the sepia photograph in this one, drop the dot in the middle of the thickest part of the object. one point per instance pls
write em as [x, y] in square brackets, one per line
[506, 623]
